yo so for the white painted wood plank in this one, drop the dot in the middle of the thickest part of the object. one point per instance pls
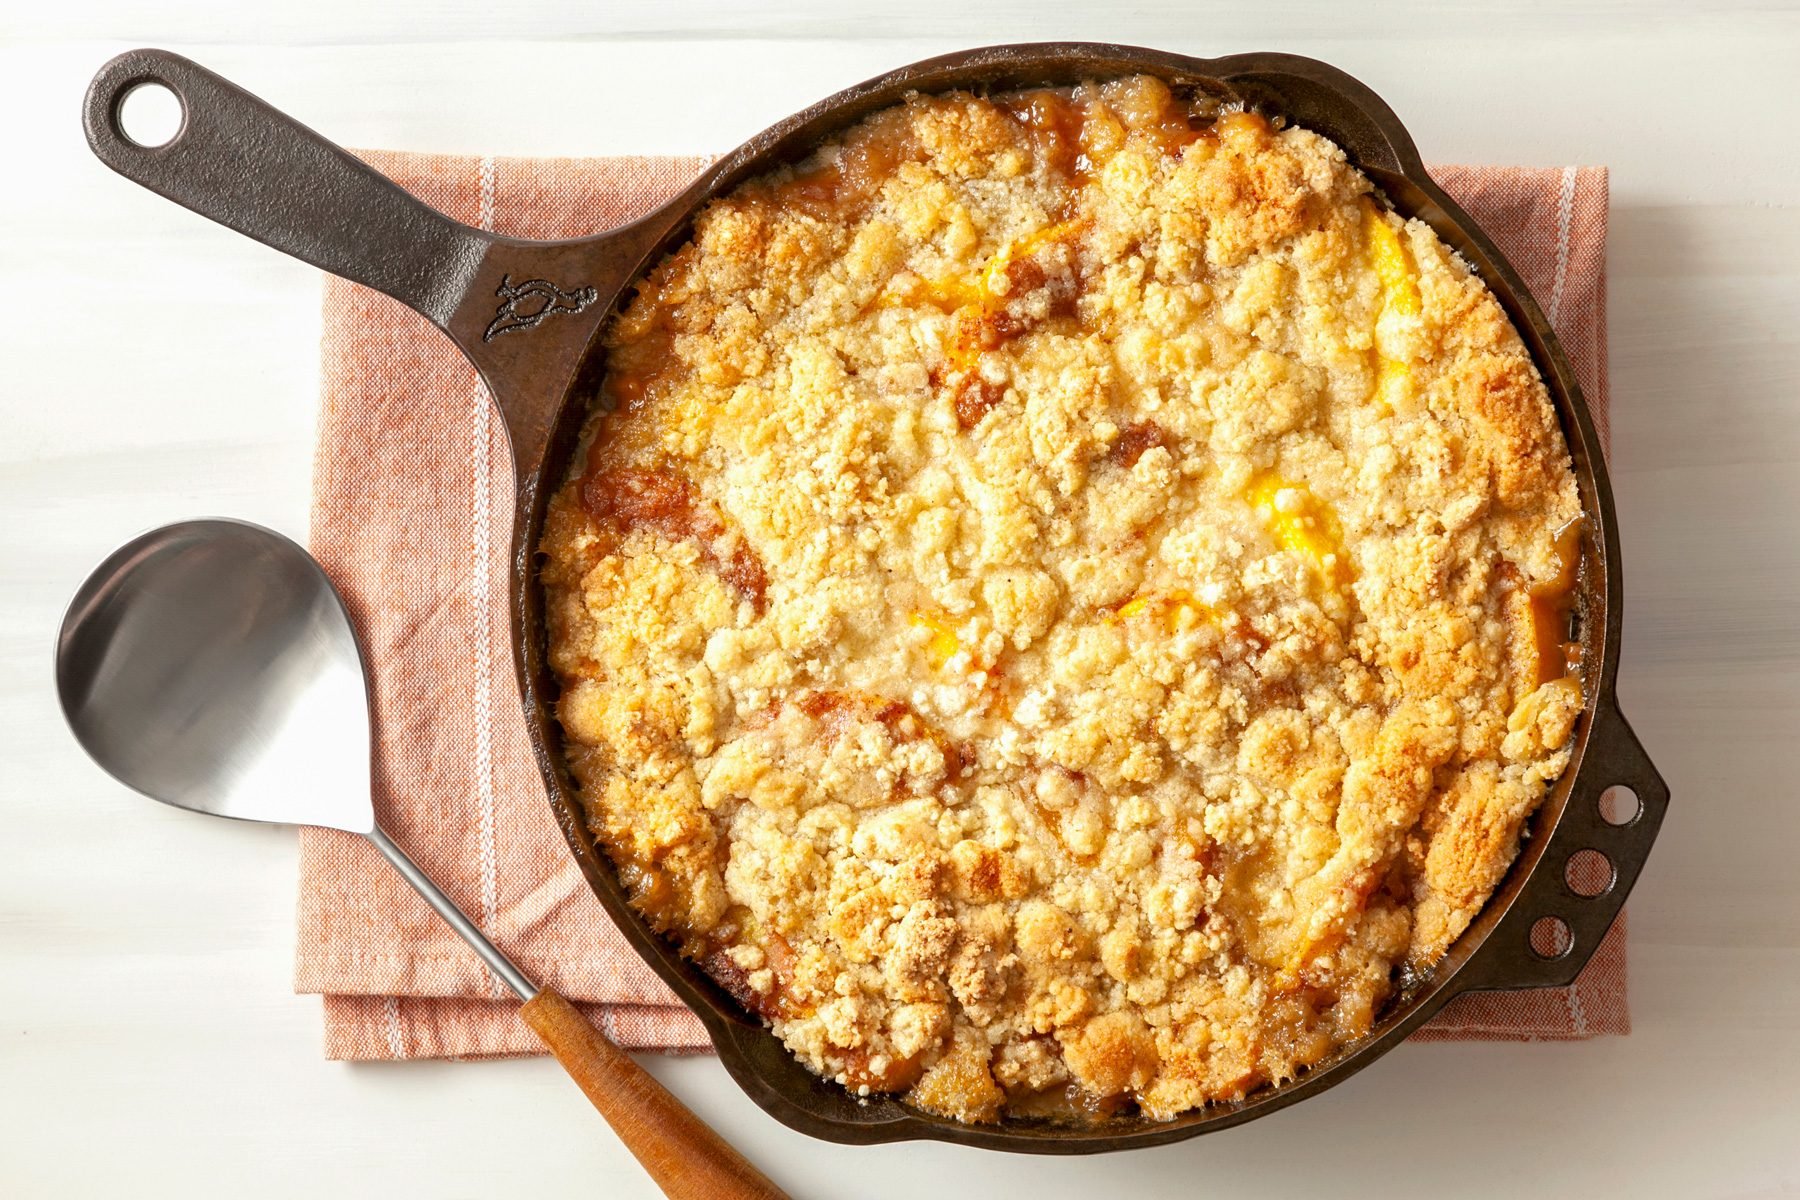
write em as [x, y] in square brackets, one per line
[1679, 118]
[412, 22]
[147, 1039]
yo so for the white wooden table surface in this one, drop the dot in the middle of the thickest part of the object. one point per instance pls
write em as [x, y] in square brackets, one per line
[158, 367]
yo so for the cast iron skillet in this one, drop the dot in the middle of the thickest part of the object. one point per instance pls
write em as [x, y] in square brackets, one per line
[527, 314]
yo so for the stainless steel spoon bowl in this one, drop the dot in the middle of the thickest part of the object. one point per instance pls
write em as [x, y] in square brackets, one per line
[211, 665]
[189, 655]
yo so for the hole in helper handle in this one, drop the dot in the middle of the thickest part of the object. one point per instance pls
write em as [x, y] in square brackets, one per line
[1560, 891]
[251, 168]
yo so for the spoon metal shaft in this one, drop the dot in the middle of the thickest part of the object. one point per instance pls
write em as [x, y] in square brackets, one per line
[497, 962]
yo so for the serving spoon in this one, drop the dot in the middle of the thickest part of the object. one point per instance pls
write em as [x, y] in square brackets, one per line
[211, 665]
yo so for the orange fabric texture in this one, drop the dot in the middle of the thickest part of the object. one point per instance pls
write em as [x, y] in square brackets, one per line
[412, 511]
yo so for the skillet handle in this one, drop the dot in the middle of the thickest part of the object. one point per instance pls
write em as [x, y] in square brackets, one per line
[247, 166]
[522, 311]
[1508, 958]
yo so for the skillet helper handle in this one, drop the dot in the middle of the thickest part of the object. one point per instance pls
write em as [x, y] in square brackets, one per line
[249, 167]
[1511, 957]
[685, 1157]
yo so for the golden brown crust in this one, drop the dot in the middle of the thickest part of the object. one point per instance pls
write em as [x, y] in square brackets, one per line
[1061, 601]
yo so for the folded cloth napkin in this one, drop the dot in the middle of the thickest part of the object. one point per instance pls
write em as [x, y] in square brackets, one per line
[411, 513]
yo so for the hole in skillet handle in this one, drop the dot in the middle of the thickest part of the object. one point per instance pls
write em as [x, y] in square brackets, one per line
[1551, 938]
[149, 114]
[1619, 805]
[1589, 873]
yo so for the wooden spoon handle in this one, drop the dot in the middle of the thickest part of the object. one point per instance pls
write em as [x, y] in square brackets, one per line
[685, 1157]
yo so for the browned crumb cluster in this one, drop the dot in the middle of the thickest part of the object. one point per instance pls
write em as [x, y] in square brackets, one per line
[1059, 602]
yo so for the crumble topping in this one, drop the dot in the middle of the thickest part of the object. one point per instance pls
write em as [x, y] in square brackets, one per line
[1063, 596]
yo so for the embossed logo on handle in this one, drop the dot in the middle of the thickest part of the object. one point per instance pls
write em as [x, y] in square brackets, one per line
[524, 305]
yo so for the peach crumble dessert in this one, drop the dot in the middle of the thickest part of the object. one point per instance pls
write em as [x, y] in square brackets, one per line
[1061, 601]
